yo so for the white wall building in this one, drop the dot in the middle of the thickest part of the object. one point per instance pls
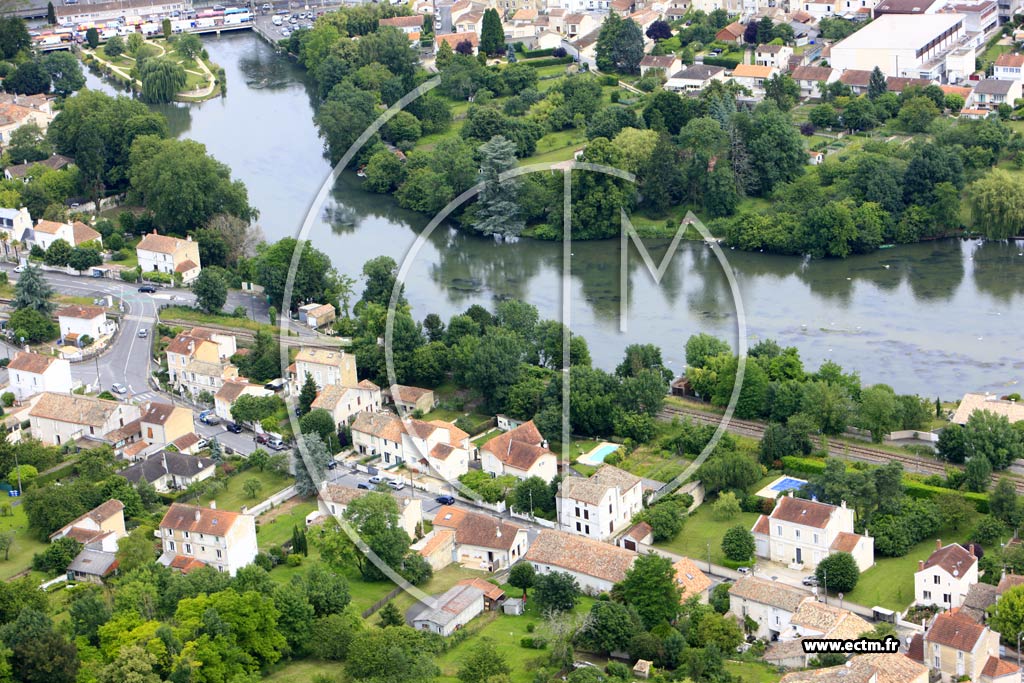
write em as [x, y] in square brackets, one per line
[436, 448]
[522, 452]
[904, 45]
[601, 505]
[33, 373]
[945, 577]
[769, 603]
[77, 322]
[220, 539]
[596, 566]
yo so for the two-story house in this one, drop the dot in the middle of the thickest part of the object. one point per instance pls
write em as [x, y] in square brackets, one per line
[185, 348]
[769, 603]
[596, 566]
[601, 505]
[230, 391]
[408, 399]
[102, 526]
[456, 39]
[170, 470]
[410, 26]
[166, 254]
[162, 423]
[775, 56]
[954, 647]
[379, 434]
[663, 65]
[333, 500]
[810, 78]
[196, 536]
[946, 576]
[802, 533]
[58, 419]
[753, 76]
[204, 376]
[317, 315]
[436, 448]
[344, 402]
[482, 541]
[813, 620]
[989, 93]
[45, 233]
[521, 452]
[15, 223]
[325, 366]
[78, 322]
[34, 373]
[1009, 67]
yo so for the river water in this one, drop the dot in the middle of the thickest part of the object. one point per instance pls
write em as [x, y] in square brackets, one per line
[937, 319]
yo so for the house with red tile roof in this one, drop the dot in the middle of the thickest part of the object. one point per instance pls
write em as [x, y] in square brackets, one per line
[33, 373]
[596, 566]
[522, 452]
[802, 533]
[955, 646]
[101, 527]
[166, 254]
[482, 541]
[220, 539]
[946, 576]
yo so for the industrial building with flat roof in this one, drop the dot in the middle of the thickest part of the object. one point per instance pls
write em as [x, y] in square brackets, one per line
[906, 45]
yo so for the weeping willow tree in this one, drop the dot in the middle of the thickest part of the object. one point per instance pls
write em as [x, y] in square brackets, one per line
[997, 204]
[161, 79]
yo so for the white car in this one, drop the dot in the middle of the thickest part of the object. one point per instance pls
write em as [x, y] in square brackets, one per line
[19, 269]
[396, 484]
[202, 443]
[118, 388]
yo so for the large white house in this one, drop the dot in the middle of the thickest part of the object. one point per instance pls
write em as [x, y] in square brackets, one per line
[57, 419]
[596, 566]
[521, 452]
[75, 234]
[344, 402]
[33, 373]
[77, 322]
[910, 45]
[945, 577]
[802, 533]
[436, 448]
[195, 536]
[166, 254]
[325, 366]
[601, 505]
[379, 434]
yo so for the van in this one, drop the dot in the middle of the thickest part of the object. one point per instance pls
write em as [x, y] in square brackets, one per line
[277, 20]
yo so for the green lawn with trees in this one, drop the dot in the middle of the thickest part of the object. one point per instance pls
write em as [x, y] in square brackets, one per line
[239, 492]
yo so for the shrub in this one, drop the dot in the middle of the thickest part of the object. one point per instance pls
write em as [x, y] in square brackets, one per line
[738, 544]
[294, 560]
[533, 642]
[8, 399]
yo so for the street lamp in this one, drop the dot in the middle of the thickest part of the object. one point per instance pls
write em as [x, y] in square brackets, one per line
[825, 578]
[1019, 634]
[709, 557]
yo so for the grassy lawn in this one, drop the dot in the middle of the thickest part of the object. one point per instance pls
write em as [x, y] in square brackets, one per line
[439, 583]
[197, 317]
[753, 672]
[559, 146]
[303, 672]
[702, 528]
[25, 544]
[234, 496]
[890, 583]
[279, 529]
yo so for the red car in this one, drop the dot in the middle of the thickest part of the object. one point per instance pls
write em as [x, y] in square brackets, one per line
[262, 438]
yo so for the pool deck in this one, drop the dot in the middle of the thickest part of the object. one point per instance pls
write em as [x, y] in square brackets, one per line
[770, 491]
[587, 458]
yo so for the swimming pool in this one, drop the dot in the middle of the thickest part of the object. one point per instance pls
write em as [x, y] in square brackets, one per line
[597, 456]
[786, 483]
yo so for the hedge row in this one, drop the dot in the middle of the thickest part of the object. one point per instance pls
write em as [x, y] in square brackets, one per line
[530, 54]
[551, 61]
[914, 488]
[727, 62]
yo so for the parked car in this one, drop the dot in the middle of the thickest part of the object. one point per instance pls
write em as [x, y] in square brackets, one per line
[202, 443]
[332, 465]
[118, 388]
[277, 444]
[743, 570]
[147, 289]
[396, 484]
[810, 580]
[445, 500]
[233, 427]
[19, 269]
[363, 486]
[377, 479]
[208, 417]
[143, 333]
[262, 438]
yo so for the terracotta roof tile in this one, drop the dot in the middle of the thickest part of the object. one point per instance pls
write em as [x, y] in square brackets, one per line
[74, 409]
[491, 592]
[855, 78]
[35, 363]
[579, 554]
[845, 542]
[49, 227]
[762, 526]
[161, 244]
[474, 528]
[1008, 59]
[812, 73]
[799, 511]
[185, 266]
[198, 520]
[955, 631]
[953, 558]
[995, 668]
[691, 580]
[83, 233]
[81, 312]
[384, 425]
[518, 448]
[402, 22]
[768, 592]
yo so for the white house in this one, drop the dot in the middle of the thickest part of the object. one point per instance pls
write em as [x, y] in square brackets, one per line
[945, 577]
[753, 76]
[521, 452]
[775, 56]
[769, 603]
[601, 505]
[411, 26]
[192, 536]
[452, 610]
[665, 64]
[33, 373]
[325, 366]
[103, 526]
[344, 402]
[801, 533]
[808, 78]
[15, 223]
[596, 566]
[482, 541]
[989, 93]
[694, 77]
[229, 393]
[436, 448]
[971, 402]
[317, 315]
[1008, 67]
[77, 322]
[47, 232]
[379, 434]
[166, 254]
[57, 419]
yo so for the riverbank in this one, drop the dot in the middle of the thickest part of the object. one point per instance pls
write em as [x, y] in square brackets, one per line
[203, 79]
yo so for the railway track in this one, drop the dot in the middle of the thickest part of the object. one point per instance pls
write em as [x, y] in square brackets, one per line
[838, 449]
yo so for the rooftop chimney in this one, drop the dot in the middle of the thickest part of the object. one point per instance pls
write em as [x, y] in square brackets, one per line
[920, 565]
[197, 514]
[213, 505]
[938, 543]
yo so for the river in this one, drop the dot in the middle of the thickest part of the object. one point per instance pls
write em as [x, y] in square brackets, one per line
[939, 318]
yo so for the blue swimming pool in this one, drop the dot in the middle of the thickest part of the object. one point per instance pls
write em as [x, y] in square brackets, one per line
[598, 455]
[787, 483]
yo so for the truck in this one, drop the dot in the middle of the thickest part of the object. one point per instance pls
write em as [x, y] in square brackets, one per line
[205, 22]
[150, 29]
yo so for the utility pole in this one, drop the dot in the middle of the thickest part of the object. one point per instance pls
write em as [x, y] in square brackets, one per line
[530, 491]
[825, 577]
[709, 557]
